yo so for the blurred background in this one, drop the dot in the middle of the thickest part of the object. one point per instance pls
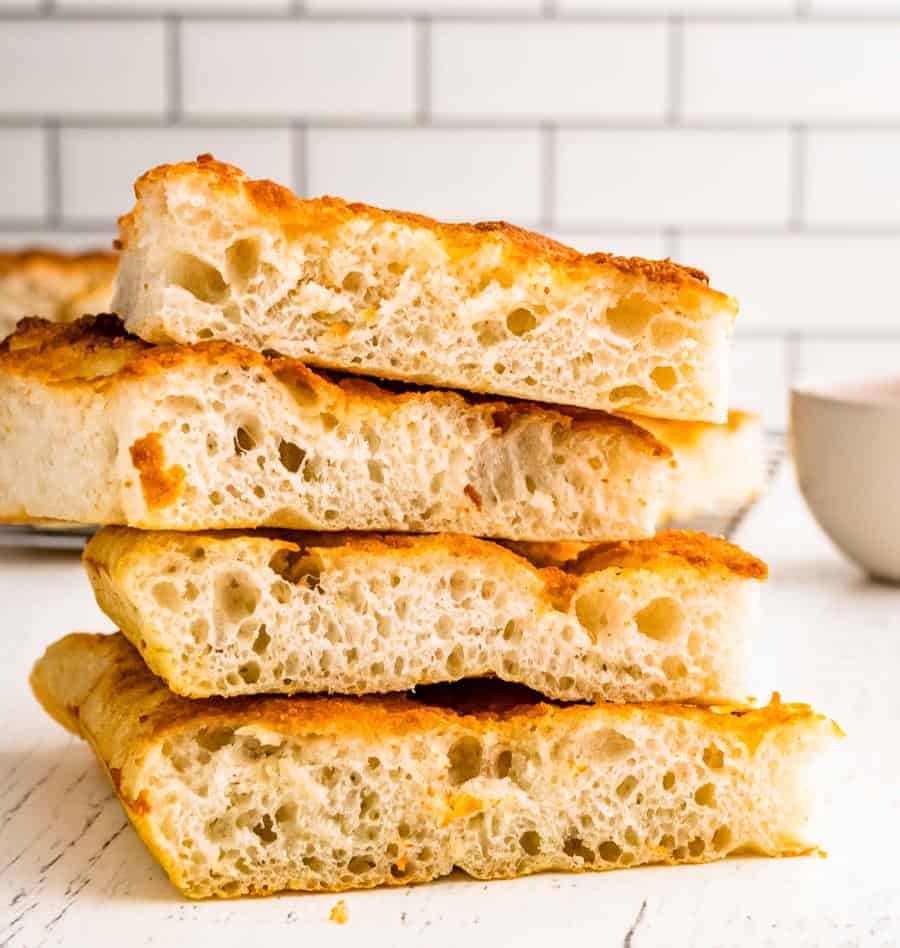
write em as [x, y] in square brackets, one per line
[756, 139]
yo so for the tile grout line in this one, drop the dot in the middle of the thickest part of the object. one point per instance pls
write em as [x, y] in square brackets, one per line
[60, 226]
[54, 173]
[792, 358]
[797, 179]
[546, 9]
[174, 61]
[423, 63]
[672, 242]
[300, 158]
[674, 70]
[466, 123]
[548, 141]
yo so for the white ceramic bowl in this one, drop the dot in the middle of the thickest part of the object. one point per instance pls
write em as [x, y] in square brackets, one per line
[846, 442]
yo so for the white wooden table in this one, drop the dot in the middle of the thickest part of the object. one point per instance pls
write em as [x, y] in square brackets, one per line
[72, 872]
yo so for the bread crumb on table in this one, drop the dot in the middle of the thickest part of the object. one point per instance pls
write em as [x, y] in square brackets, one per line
[339, 913]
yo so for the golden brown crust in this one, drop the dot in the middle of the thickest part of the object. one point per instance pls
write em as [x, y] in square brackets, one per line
[672, 548]
[82, 350]
[110, 666]
[667, 551]
[96, 352]
[111, 542]
[112, 545]
[277, 205]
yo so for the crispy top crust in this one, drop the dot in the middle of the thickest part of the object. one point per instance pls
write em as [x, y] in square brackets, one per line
[276, 205]
[107, 666]
[667, 551]
[37, 259]
[96, 352]
[114, 541]
[671, 549]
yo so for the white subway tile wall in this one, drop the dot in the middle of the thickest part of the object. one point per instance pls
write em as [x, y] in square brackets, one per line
[23, 183]
[804, 283]
[298, 70]
[674, 177]
[98, 164]
[680, 7]
[853, 180]
[836, 361]
[854, 7]
[756, 139]
[58, 69]
[455, 174]
[456, 7]
[759, 377]
[548, 70]
[184, 6]
[795, 72]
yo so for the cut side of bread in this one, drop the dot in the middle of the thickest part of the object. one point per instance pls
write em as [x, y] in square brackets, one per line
[209, 253]
[720, 467]
[256, 795]
[669, 618]
[99, 427]
[52, 284]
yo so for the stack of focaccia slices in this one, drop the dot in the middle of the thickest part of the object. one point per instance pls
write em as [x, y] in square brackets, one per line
[289, 548]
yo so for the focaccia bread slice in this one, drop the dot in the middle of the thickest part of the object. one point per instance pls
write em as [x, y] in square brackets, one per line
[669, 618]
[98, 427]
[53, 284]
[209, 253]
[255, 795]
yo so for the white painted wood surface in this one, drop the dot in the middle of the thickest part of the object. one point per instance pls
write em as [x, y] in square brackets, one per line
[72, 871]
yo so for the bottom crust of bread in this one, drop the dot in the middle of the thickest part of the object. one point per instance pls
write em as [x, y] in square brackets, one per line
[256, 795]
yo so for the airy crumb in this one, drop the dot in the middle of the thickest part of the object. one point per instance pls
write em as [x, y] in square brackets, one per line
[339, 913]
